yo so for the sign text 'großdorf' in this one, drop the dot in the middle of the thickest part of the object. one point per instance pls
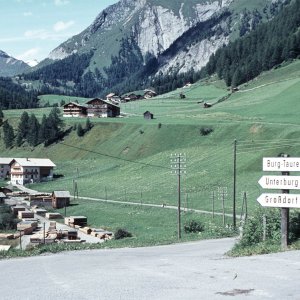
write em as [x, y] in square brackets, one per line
[279, 200]
[280, 182]
[281, 164]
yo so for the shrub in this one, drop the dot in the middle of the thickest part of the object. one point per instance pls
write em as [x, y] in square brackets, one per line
[193, 226]
[121, 234]
[253, 229]
[206, 131]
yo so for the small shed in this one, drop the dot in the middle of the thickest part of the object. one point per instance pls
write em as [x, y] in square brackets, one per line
[60, 199]
[207, 105]
[148, 115]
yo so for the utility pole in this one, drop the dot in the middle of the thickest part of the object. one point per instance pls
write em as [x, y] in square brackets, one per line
[44, 233]
[222, 193]
[213, 204]
[234, 184]
[178, 166]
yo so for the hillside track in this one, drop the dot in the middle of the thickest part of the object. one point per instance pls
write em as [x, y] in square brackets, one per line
[162, 206]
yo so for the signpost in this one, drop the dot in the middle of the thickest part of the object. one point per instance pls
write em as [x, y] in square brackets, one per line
[281, 164]
[284, 182]
[280, 182]
[279, 200]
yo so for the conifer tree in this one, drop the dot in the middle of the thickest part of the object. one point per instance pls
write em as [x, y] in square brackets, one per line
[33, 131]
[22, 128]
[80, 131]
[8, 135]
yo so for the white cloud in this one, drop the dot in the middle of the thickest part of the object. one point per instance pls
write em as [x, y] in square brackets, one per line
[61, 2]
[61, 26]
[29, 54]
[37, 34]
[27, 14]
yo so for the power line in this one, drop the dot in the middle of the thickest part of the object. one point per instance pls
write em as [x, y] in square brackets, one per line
[115, 157]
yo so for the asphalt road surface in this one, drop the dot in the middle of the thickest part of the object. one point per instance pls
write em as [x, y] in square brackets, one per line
[197, 270]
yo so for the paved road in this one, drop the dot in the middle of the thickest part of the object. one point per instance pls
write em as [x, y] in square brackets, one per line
[197, 270]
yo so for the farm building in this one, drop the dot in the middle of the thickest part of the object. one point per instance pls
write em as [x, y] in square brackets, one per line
[73, 109]
[149, 94]
[207, 105]
[148, 115]
[112, 97]
[101, 108]
[5, 167]
[60, 199]
[28, 170]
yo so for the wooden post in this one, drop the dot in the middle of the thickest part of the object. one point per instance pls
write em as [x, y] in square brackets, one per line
[234, 185]
[264, 227]
[213, 204]
[285, 221]
[44, 233]
[223, 206]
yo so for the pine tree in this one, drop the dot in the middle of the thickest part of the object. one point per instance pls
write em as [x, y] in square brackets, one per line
[80, 131]
[33, 132]
[8, 135]
[43, 130]
[22, 128]
[88, 125]
[1, 117]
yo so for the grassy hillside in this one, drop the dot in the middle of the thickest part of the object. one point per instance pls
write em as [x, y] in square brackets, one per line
[128, 158]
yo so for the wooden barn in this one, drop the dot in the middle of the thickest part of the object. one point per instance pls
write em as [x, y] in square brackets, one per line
[149, 94]
[73, 109]
[207, 105]
[101, 108]
[148, 115]
[60, 199]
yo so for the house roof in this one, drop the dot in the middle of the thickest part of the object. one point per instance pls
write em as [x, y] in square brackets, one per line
[104, 101]
[34, 162]
[147, 112]
[110, 95]
[75, 104]
[62, 194]
[5, 160]
[2, 195]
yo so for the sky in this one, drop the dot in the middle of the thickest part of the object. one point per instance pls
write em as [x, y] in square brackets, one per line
[31, 29]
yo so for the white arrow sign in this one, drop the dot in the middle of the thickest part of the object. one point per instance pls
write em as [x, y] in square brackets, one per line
[280, 182]
[279, 200]
[281, 164]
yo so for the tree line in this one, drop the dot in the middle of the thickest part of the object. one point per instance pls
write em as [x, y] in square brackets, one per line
[30, 131]
[14, 96]
[260, 50]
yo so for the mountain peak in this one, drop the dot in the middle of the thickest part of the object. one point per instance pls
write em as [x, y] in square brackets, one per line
[10, 66]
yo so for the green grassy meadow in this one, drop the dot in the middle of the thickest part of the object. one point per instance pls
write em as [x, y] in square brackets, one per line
[128, 158]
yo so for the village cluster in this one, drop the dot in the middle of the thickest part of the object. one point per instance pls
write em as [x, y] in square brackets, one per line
[31, 208]
[108, 108]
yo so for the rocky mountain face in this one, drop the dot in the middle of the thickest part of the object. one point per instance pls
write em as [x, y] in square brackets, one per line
[154, 27]
[10, 66]
[175, 35]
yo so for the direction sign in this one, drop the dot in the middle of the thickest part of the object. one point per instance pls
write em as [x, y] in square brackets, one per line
[279, 200]
[281, 164]
[280, 182]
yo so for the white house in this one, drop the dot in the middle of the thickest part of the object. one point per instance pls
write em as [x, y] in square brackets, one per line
[28, 170]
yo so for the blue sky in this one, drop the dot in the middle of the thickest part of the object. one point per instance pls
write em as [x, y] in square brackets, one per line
[30, 29]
